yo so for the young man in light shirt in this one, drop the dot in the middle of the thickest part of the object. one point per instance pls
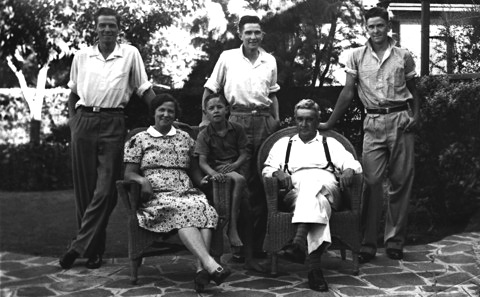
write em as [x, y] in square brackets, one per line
[102, 79]
[384, 75]
[247, 76]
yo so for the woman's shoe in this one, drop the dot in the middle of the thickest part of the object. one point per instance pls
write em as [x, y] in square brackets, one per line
[202, 278]
[220, 275]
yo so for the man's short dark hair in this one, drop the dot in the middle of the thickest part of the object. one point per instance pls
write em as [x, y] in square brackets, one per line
[215, 95]
[106, 11]
[162, 98]
[377, 12]
[248, 19]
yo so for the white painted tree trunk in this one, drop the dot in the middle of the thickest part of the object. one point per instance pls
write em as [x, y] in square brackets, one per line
[33, 97]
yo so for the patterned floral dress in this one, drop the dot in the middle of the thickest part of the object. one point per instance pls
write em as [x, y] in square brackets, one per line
[164, 161]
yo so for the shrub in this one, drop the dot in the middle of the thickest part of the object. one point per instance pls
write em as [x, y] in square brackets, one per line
[447, 184]
[33, 168]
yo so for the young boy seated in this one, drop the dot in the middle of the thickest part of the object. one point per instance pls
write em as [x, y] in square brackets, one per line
[222, 151]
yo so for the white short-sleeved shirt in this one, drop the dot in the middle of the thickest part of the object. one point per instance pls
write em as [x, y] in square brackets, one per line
[245, 84]
[110, 82]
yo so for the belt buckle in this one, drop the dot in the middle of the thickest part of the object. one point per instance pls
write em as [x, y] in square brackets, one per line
[254, 112]
[387, 110]
[96, 109]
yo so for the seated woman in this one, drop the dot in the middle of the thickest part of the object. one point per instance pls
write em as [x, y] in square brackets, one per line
[159, 159]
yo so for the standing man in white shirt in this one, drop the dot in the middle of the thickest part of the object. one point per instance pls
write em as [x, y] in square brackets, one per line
[247, 76]
[102, 79]
[384, 75]
[312, 186]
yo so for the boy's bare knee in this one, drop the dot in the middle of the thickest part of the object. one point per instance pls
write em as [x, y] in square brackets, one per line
[237, 178]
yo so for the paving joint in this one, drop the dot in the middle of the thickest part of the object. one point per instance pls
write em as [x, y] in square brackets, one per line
[448, 267]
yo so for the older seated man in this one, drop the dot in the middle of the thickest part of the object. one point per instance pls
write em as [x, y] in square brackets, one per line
[301, 165]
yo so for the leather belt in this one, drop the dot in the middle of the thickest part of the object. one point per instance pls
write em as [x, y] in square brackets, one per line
[99, 109]
[261, 111]
[387, 110]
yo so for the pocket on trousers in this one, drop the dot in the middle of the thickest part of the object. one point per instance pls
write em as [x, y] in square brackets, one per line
[73, 119]
[272, 125]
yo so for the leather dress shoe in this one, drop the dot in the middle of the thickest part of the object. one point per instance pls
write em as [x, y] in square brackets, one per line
[67, 260]
[294, 253]
[220, 275]
[395, 254]
[202, 278]
[316, 281]
[94, 262]
[365, 257]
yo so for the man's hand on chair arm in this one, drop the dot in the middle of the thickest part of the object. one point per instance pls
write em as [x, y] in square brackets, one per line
[346, 178]
[284, 179]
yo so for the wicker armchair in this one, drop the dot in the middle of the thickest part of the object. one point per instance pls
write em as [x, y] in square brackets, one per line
[344, 224]
[143, 243]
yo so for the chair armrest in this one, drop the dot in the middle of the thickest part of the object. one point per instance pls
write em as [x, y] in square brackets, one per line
[355, 192]
[129, 193]
[271, 192]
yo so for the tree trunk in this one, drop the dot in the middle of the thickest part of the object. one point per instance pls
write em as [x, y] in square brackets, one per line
[327, 49]
[324, 54]
[35, 132]
[34, 98]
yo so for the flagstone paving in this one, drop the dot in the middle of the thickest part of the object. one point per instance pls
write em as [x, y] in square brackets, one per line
[449, 267]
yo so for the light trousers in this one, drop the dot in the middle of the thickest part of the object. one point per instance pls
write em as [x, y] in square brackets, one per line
[388, 153]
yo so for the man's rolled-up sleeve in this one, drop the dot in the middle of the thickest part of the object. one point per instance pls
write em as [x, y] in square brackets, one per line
[217, 79]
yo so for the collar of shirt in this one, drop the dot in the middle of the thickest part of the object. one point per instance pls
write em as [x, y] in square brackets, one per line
[211, 130]
[261, 56]
[155, 133]
[316, 138]
[95, 52]
[391, 44]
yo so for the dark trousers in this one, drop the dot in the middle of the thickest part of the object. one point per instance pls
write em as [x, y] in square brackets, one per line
[97, 152]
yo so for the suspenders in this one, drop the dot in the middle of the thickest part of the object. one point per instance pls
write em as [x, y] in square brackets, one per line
[327, 154]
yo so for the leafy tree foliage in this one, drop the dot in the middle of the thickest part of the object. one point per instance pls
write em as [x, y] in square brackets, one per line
[306, 38]
[34, 33]
[460, 50]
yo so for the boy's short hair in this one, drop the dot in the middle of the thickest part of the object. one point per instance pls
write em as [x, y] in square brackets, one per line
[214, 95]
[377, 12]
[308, 104]
[248, 19]
[106, 11]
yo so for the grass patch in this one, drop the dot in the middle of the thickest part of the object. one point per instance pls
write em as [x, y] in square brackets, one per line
[43, 223]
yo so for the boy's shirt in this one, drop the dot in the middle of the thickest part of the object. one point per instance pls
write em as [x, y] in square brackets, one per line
[221, 150]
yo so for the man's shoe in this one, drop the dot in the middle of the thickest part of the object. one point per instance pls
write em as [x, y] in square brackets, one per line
[316, 281]
[94, 262]
[294, 253]
[365, 257]
[395, 254]
[67, 260]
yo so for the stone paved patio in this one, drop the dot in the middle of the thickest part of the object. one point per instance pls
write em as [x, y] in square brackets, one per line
[450, 267]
